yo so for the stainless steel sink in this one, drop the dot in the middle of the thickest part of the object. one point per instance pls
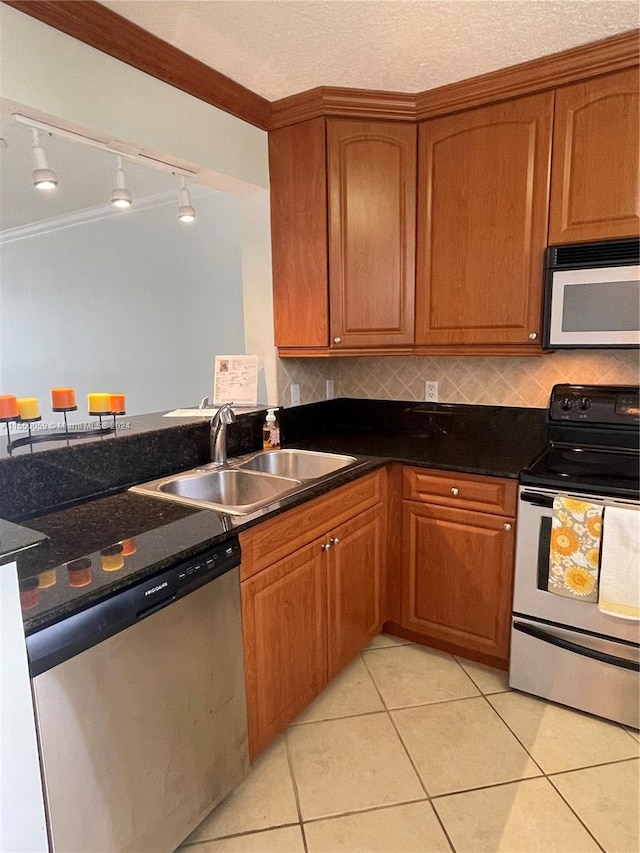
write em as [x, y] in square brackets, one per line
[297, 464]
[227, 490]
[247, 484]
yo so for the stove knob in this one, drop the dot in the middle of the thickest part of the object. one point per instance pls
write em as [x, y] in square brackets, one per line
[585, 403]
[567, 403]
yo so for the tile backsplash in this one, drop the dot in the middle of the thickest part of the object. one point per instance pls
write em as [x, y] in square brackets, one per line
[482, 380]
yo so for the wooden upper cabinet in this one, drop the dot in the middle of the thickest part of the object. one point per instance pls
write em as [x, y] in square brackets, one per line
[299, 234]
[483, 190]
[372, 202]
[594, 188]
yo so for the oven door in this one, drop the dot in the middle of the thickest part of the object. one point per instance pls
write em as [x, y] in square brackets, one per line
[531, 598]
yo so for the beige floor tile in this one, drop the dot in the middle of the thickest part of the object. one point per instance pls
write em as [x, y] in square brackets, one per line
[460, 745]
[411, 828]
[607, 800]
[350, 764]
[265, 798]
[288, 839]
[522, 817]
[559, 738]
[414, 675]
[383, 641]
[352, 692]
[486, 678]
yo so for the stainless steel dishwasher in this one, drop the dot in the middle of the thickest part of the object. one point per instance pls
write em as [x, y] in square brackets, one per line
[140, 707]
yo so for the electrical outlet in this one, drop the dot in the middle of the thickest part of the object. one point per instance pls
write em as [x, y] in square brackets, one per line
[329, 389]
[295, 395]
[431, 391]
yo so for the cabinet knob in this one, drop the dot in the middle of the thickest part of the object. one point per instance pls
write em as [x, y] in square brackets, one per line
[326, 546]
[506, 526]
[533, 336]
[454, 491]
[334, 540]
[337, 340]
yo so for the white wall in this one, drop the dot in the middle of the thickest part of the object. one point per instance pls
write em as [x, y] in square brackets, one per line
[137, 303]
[46, 73]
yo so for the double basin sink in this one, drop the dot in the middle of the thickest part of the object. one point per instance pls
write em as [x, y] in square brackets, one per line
[246, 485]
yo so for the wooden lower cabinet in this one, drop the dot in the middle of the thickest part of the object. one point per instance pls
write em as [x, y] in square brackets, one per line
[306, 615]
[458, 572]
[355, 587]
[284, 613]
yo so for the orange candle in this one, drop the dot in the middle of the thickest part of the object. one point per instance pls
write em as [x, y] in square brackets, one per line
[63, 398]
[28, 408]
[79, 572]
[129, 547]
[111, 558]
[99, 404]
[118, 406]
[8, 407]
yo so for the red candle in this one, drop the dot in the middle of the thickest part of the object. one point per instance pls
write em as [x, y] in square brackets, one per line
[79, 572]
[118, 406]
[63, 398]
[8, 407]
[29, 593]
[129, 547]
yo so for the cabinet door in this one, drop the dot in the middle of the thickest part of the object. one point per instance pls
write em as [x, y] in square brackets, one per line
[458, 576]
[285, 641]
[483, 184]
[355, 576]
[594, 189]
[372, 177]
[297, 170]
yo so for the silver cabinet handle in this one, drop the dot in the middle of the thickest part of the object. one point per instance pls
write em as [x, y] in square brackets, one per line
[533, 336]
[454, 491]
[326, 546]
[337, 340]
[506, 526]
[334, 540]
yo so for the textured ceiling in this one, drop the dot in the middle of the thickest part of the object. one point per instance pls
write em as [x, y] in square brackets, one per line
[279, 47]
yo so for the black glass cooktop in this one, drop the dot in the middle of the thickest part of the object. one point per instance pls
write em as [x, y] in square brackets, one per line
[589, 470]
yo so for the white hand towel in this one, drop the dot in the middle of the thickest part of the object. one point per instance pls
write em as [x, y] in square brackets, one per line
[619, 593]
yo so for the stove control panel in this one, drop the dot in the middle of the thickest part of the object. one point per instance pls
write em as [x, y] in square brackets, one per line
[596, 404]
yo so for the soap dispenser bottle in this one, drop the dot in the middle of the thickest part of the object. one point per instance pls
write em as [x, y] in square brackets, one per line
[271, 431]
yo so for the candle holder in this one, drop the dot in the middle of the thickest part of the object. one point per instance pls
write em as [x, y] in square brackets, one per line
[65, 434]
[8, 421]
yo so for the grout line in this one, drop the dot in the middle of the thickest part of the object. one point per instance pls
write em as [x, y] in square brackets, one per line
[589, 766]
[186, 845]
[505, 723]
[340, 717]
[574, 812]
[295, 790]
[366, 810]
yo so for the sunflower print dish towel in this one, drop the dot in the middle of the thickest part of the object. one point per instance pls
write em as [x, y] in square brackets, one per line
[575, 548]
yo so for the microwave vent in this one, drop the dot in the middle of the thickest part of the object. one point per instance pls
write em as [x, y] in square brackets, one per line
[608, 253]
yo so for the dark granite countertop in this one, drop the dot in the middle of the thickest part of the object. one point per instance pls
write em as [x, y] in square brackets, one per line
[121, 538]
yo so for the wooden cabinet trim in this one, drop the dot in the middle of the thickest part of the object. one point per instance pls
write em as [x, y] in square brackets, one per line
[103, 29]
[274, 539]
[496, 495]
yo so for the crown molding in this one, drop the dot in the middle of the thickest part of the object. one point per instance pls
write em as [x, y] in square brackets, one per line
[98, 26]
[103, 29]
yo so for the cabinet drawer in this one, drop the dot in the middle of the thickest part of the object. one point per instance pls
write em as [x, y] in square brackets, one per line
[273, 540]
[467, 491]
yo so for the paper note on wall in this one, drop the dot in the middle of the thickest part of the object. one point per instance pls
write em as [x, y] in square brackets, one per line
[235, 380]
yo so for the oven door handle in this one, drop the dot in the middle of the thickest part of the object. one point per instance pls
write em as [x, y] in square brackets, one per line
[603, 657]
[537, 500]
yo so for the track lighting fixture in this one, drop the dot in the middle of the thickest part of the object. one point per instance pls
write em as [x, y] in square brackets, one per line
[44, 178]
[186, 212]
[120, 195]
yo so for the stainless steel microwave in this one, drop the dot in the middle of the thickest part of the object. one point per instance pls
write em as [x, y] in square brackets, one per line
[592, 295]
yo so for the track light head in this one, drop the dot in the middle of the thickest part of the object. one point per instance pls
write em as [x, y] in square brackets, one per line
[120, 195]
[44, 178]
[186, 211]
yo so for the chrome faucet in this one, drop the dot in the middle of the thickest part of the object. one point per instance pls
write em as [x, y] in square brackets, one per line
[218, 437]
